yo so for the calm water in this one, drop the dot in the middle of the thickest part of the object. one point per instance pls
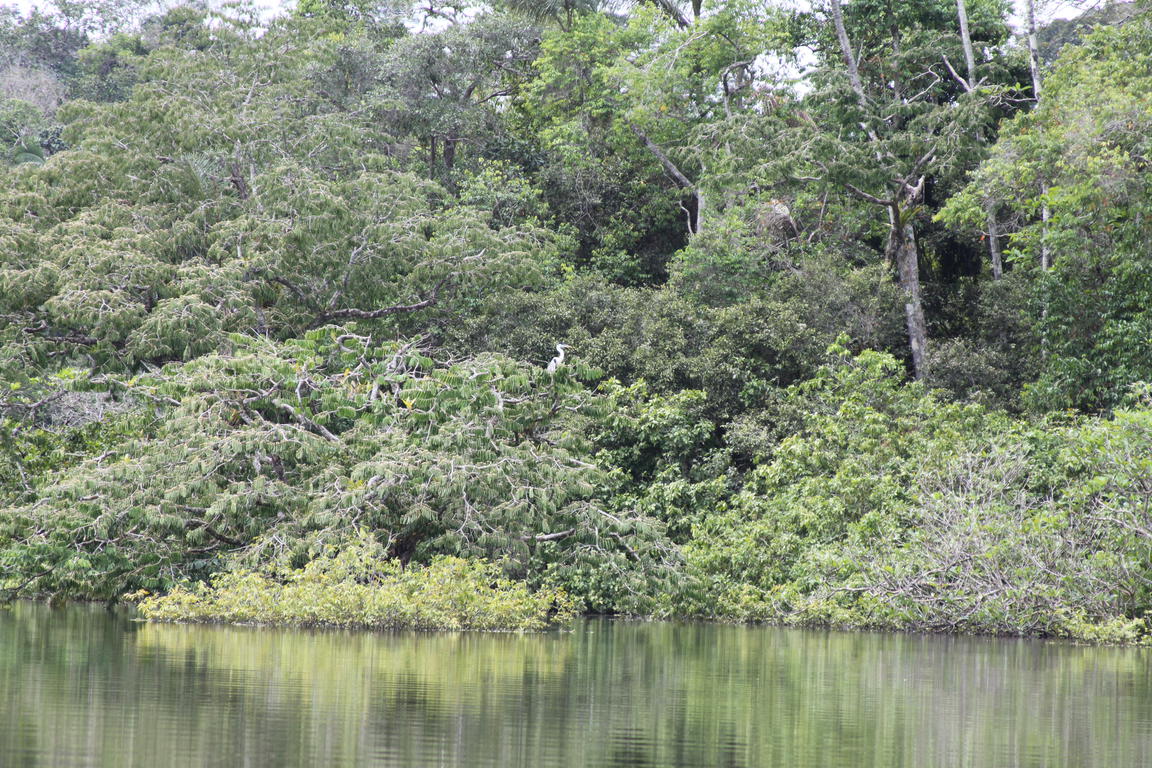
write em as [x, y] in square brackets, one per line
[85, 687]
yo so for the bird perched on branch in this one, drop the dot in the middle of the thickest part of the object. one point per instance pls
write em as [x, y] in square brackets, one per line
[558, 360]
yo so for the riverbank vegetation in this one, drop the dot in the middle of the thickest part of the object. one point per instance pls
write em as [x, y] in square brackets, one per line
[358, 587]
[854, 306]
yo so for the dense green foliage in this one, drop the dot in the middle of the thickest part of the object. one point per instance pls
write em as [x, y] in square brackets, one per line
[892, 508]
[1083, 154]
[852, 340]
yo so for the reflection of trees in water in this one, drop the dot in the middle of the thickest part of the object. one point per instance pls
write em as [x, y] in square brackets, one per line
[631, 747]
[610, 694]
[355, 695]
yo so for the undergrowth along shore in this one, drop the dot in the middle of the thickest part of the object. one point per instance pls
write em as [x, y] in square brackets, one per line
[353, 591]
[357, 588]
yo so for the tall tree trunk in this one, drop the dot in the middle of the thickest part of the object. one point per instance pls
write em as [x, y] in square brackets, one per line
[894, 34]
[1033, 50]
[901, 246]
[966, 39]
[853, 69]
[1034, 65]
[450, 143]
[970, 86]
[846, 50]
[994, 242]
[902, 249]
[1045, 216]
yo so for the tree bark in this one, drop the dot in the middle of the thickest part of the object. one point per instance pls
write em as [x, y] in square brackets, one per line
[1034, 66]
[966, 39]
[902, 249]
[450, 143]
[970, 86]
[994, 243]
[678, 176]
[1033, 50]
[901, 246]
[846, 50]
[1045, 216]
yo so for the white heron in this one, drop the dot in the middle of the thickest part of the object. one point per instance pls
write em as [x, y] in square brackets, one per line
[558, 360]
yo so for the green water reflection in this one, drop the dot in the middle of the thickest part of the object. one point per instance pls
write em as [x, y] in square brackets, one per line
[84, 687]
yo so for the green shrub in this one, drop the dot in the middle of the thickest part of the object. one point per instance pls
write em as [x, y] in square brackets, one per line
[359, 588]
[891, 508]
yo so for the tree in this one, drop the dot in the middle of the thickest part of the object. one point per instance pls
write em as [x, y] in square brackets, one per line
[630, 101]
[971, 84]
[1079, 156]
[448, 89]
[256, 210]
[904, 126]
[273, 452]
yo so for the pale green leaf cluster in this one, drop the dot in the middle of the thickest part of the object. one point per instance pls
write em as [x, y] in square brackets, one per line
[360, 588]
